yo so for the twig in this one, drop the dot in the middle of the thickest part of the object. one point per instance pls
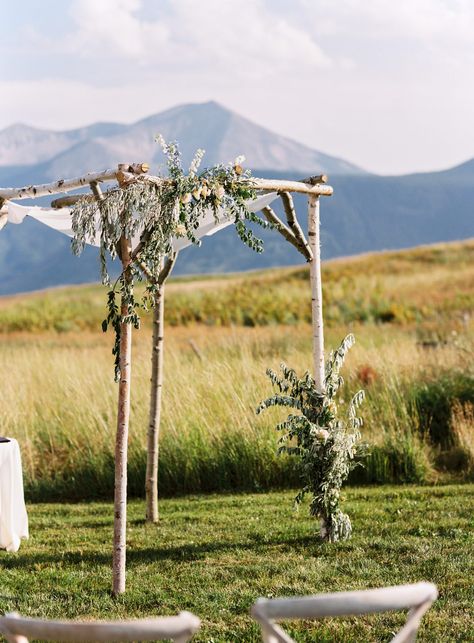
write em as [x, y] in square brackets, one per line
[294, 224]
[167, 268]
[272, 217]
[196, 350]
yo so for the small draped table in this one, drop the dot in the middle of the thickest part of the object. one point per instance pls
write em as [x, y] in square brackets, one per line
[13, 516]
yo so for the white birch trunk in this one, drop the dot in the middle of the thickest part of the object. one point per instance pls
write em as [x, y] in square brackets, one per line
[317, 314]
[123, 174]
[151, 483]
[121, 442]
[316, 292]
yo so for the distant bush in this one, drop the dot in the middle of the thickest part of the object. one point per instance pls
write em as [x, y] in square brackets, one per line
[399, 460]
[434, 400]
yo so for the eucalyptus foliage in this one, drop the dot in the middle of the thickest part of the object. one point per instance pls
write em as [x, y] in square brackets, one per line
[327, 443]
[153, 212]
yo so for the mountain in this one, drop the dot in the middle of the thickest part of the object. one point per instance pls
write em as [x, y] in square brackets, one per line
[366, 212]
[24, 145]
[47, 155]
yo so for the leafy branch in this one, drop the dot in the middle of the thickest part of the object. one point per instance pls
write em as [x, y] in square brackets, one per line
[150, 214]
[327, 444]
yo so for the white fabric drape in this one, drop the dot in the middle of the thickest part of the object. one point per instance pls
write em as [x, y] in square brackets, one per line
[61, 219]
[13, 516]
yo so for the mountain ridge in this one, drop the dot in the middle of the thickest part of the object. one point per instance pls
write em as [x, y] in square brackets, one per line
[367, 212]
[194, 125]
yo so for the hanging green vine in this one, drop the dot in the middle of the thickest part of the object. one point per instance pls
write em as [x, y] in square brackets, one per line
[149, 214]
[327, 444]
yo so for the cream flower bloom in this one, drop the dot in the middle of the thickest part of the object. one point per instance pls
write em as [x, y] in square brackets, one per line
[321, 434]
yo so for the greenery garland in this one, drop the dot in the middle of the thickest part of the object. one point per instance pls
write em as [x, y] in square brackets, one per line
[154, 213]
[328, 445]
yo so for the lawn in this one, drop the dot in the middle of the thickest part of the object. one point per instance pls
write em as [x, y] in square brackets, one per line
[214, 555]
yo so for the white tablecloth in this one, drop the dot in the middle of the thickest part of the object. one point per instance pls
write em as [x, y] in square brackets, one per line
[13, 516]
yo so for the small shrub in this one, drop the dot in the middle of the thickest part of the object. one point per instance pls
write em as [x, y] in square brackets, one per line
[461, 456]
[400, 459]
[326, 444]
[433, 401]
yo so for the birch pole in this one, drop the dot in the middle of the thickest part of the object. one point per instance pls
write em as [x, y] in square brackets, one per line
[151, 483]
[157, 356]
[316, 291]
[121, 440]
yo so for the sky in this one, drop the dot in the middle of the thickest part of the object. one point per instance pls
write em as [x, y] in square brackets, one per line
[387, 85]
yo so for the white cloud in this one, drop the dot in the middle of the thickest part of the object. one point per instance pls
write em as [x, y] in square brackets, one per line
[438, 26]
[111, 28]
[220, 34]
[58, 103]
[389, 85]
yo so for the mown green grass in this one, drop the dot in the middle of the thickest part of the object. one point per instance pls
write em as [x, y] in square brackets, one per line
[216, 555]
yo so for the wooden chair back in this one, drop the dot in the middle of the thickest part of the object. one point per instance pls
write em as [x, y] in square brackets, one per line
[180, 628]
[416, 598]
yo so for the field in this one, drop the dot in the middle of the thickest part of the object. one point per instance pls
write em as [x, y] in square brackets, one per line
[212, 554]
[215, 555]
[410, 312]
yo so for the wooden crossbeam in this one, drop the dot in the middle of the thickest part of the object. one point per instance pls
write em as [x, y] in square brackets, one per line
[127, 173]
[124, 173]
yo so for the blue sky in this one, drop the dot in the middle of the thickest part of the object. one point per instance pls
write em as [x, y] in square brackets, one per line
[388, 85]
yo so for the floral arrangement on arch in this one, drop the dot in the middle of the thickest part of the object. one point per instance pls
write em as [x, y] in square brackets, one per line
[154, 210]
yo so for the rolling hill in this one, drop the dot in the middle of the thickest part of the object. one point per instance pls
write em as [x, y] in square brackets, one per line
[421, 286]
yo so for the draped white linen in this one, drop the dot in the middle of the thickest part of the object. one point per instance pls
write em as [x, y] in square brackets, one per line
[13, 516]
[61, 219]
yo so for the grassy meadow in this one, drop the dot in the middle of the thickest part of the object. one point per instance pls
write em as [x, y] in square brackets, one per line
[411, 314]
[216, 554]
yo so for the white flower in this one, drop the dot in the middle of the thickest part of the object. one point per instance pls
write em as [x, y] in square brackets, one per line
[196, 162]
[197, 193]
[161, 142]
[321, 434]
[239, 160]
[220, 192]
[186, 198]
[204, 191]
[180, 230]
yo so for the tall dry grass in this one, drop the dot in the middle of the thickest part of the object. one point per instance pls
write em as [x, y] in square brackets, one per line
[410, 310]
[58, 399]
[462, 426]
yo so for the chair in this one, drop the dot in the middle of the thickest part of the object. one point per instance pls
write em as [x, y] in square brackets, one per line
[180, 628]
[417, 598]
